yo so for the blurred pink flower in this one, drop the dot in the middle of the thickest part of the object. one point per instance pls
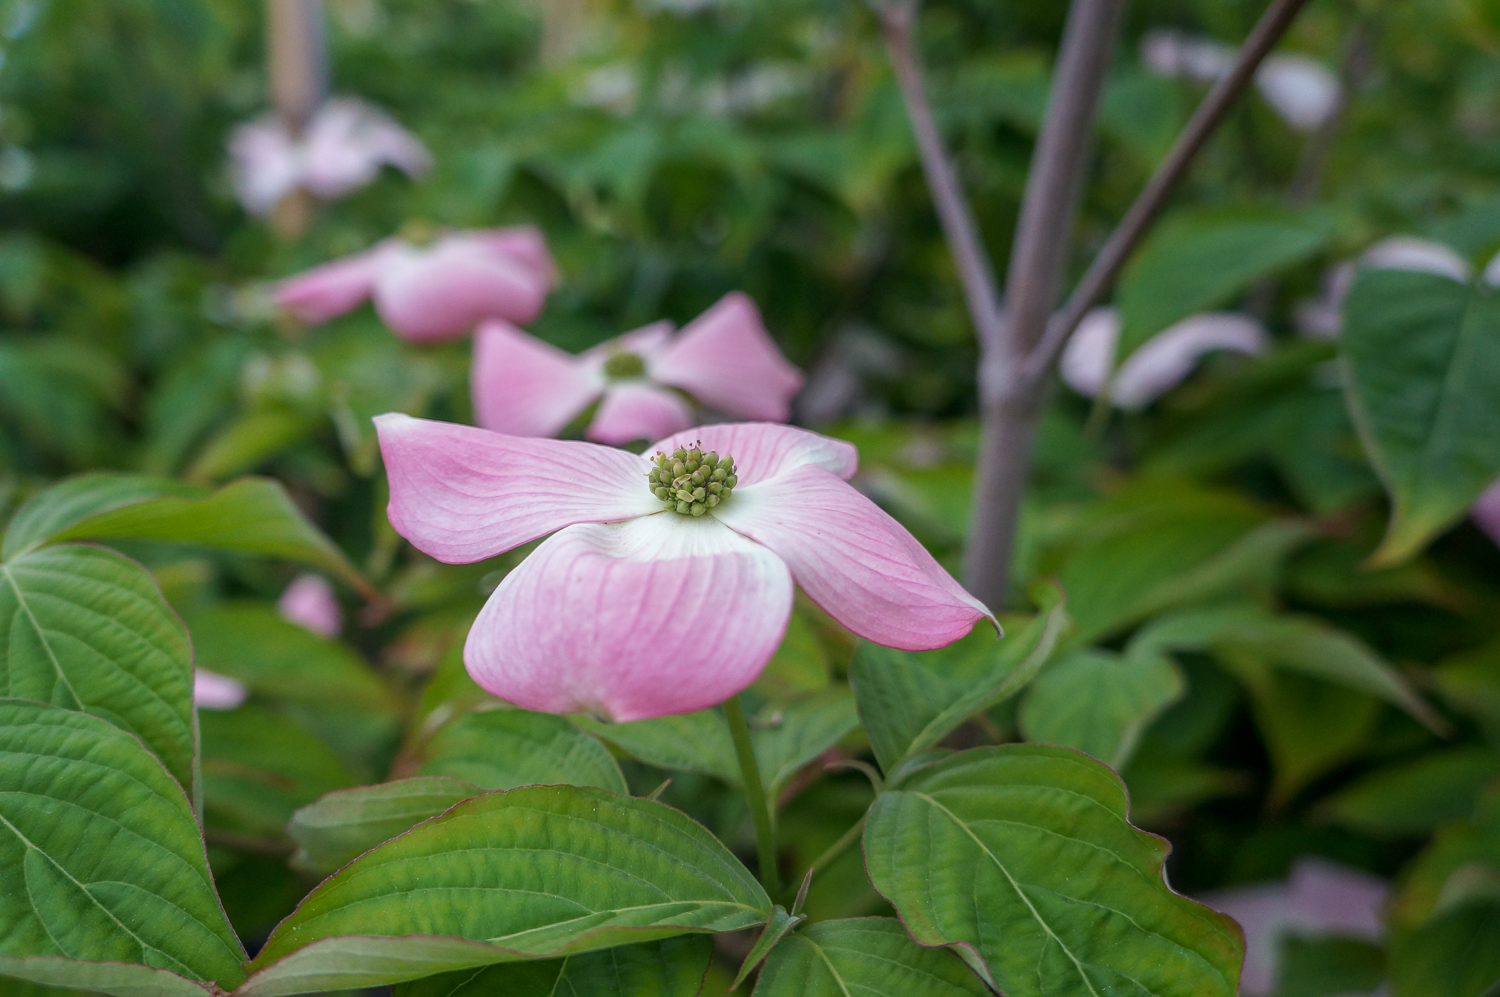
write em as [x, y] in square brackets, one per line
[1486, 511]
[310, 603]
[212, 691]
[724, 359]
[341, 150]
[631, 609]
[1300, 89]
[1319, 898]
[1160, 364]
[1320, 317]
[432, 292]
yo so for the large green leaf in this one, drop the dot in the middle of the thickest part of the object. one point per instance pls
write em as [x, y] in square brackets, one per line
[673, 967]
[533, 873]
[85, 628]
[869, 956]
[1099, 702]
[908, 701]
[259, 767]
[1200, 260]
[1301, 644]
[249, 641]
[120, 979]
[785, 738]
[1413, 797]
[347, 822]
[100, 856]
[502, 749]
[1021, 857]
[249, 516]
[1422, 361]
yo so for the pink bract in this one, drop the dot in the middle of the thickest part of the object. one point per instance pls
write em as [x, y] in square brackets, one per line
[341, 150]
[212, 691]
[310, 603]
[1486, 511]
[628, 611]
[724, 359]
[434, 292]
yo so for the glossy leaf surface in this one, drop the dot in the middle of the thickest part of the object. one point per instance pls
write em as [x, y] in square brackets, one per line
[502, 749]
[340, 825]
[1099, 702]
[1022, 859]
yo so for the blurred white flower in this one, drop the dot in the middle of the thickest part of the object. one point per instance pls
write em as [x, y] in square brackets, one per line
[212, 691]
[1300, 89]
[1161, 363]
[310, 603]
[1319, 318]
[1319, 898]
[610, 88]
[342, 149]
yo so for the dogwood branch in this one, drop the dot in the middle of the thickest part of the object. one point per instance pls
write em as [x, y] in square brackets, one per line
[975, 271]
[1153, 198]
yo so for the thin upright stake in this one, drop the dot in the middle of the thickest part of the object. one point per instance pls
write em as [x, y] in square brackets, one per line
[296, 59]
[755, 796]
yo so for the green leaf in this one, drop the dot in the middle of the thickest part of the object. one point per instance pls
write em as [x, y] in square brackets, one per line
[1422, 361]
[249, 516]
[248, 441]
[869, 956]
[1470, 682]
[348, 822]
[533, 873]
[1154, 546]
[502, 749]
[775, 929]
[1414, 797]
[259, 767]
[87, 629]
[674, 967]
[1301, 644]
[1454, 956]
[100, 855]
[1200, 260]
[120, 979]
[1022, 859]
[1100, 703]
[786, 738]
[908, 701]
[249, 641]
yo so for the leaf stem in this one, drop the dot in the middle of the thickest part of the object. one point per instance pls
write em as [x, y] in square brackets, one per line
[755, 795]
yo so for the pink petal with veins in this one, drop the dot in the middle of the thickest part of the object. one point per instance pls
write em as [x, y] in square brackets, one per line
[853, 559]
[763, 450]
[462, 494]
[525, 387]
[655, 616]
[727, 361]
[443, 291]
[212, 691]
[637, 411]
[310, 603]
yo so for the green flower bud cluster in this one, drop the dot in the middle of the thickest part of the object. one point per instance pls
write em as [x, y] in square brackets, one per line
[691, 482]
[624, 366]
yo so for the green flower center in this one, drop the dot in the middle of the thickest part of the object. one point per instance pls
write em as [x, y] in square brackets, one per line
[624, 365]
[690, 482]
[420, 232]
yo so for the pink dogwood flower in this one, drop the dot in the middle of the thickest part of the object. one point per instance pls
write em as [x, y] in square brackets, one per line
[310, 603]
[340, 151]
[212, 691]
[662, 594]
[428, 293]
[724, 359]
[1160, 364]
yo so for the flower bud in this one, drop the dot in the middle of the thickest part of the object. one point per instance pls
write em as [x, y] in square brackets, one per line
[731, 481]
[720, 474]
[711, 501]
[698, 494]
[697, 509]
[683, 507]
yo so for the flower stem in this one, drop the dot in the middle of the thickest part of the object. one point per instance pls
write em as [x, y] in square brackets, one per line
[755, 795]
[835, 851]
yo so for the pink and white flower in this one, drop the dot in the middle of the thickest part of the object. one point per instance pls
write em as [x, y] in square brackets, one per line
[1300, 89]
[633, 609]
[724, 359]
[1160, 364]
[428, 293]
[340, 151]
[1319, 898]
[310, 603]
[212, 691]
